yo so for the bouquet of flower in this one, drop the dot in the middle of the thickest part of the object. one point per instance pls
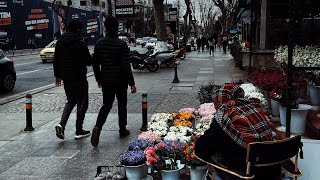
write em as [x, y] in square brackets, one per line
[150, 136]
[133, 158]
[189, 110]
[179, 133]
[164, 156]
[188, 154]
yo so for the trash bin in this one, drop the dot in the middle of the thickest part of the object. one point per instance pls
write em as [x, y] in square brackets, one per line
[188, 48]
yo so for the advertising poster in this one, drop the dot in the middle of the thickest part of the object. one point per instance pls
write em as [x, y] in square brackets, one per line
[59, 22]
[5, 20]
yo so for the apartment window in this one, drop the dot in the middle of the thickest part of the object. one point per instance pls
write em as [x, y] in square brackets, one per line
[83, 3]
[103, 5]
[95, 2]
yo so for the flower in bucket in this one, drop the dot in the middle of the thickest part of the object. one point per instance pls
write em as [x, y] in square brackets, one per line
[202, 127]
[188, 154]
[183, 118]
[150, 136]
[179, 133]
[164, 155]
[133, 158]
[206, 111]
[138, 144]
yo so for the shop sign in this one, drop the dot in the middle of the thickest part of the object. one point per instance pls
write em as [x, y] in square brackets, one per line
[3, 3]
[92, 26]
[18, 2]
[125, 11]
[38, 35]
[37, 19]
[3, 34]
[5, 18]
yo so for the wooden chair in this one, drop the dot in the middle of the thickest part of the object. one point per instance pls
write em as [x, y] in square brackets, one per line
[267, 153]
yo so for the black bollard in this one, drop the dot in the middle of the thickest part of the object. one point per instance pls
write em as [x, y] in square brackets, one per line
[29, 113]
[176, 79]
[144, 107]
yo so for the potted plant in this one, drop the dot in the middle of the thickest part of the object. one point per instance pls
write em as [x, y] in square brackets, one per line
[298, 111]
[197, 167]
[134, 162]
[164, 157]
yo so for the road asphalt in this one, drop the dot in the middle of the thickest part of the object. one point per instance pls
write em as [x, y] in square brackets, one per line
[39, 154]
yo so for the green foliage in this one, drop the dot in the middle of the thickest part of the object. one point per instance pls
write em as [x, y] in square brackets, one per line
[206, 92]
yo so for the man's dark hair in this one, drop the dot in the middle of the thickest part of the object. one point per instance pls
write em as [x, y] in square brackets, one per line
[111, 24]
[75, 26]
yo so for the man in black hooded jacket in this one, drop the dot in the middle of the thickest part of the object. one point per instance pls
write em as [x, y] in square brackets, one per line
[70, 60]
[112, 70]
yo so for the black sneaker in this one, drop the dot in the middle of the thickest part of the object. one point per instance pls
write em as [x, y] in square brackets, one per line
[81, 134]
[95, 136]
[59, 131]
[124, 133]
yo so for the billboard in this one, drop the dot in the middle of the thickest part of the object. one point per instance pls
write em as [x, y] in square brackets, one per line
[124, 8]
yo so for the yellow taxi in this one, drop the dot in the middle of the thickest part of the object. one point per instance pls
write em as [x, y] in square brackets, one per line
[48, 52]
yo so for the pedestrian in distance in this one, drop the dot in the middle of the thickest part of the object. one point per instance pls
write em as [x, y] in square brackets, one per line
[112, 70]
[70, 60]
[211, 43]
[204, 42]
[219, 42]
[224, 44]
[198, 41]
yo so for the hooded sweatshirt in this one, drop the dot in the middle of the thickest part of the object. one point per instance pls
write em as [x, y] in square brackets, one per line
[71, 58]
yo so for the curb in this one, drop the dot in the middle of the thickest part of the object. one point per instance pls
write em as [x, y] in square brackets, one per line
[32, 92]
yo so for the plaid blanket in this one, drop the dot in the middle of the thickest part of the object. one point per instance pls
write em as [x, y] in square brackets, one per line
[243, 120]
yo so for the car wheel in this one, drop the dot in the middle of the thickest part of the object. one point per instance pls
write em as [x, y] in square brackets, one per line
[44, 60]
[8, 83]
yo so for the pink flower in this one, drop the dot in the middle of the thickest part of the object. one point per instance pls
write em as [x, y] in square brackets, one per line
[161, 145]
[150, 136]
[190, 110]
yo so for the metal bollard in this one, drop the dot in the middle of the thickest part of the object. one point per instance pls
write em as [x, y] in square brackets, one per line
[29, 113]
[176, 79]
[144, 107]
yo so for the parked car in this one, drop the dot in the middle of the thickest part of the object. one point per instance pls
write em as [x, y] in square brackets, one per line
[151, 43]
[145, 41]
[124, 38]
[8, 75]
[48, 52]
[139, 41]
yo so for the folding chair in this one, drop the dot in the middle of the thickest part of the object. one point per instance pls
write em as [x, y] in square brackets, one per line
[267, 153]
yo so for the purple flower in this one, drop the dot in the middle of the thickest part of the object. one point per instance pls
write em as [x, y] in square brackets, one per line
[139, 144]
[133, 158]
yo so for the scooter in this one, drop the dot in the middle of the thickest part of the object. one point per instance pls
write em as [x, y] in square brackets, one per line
[180, 53]
[165, 57]
[142, 61]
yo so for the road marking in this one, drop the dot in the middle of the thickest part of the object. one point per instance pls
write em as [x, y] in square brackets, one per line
[29, 72]
[24, 64]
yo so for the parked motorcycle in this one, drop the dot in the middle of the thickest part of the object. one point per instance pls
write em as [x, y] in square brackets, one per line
[180, 53]
[142, 61]
[165, 57]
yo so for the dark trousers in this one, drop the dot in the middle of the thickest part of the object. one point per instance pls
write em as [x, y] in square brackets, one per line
[77, 94]
[109, 93]
[211, 49]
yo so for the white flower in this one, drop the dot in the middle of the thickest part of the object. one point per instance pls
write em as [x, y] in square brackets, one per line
[179, 133]
[250, 91]
[202, 127]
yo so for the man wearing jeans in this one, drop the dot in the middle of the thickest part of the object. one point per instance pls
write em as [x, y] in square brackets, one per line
[112, 70]
[70, 60]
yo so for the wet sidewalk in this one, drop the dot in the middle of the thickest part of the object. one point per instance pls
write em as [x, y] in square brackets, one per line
[41, 155]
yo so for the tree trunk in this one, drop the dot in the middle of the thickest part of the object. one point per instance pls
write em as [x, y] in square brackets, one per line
[160, 25]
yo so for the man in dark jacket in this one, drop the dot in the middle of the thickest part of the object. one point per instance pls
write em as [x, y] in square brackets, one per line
[113, 73]
[70, 60]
